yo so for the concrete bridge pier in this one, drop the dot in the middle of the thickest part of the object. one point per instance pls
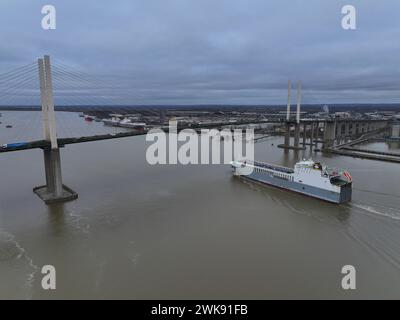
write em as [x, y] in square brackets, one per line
[338, 132]
[54, 191]
[312, 134]
[287, 135]
[329, 134]
[49, 170]
[316, 134]
[304, 134]
[346, 129]
[395, 131]
[342, 129]
[297, 135]
[350, 129]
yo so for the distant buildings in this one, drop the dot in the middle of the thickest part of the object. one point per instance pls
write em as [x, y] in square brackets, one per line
[343, 115]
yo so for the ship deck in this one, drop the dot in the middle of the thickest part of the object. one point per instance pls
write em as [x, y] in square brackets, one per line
[273, 167]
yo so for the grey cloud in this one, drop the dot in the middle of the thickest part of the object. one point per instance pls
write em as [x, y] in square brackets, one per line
[215, 51]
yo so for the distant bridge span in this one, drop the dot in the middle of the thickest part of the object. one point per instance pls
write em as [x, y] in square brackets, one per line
[43, 144]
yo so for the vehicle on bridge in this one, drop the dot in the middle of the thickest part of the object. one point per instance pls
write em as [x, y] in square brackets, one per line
[14, 145]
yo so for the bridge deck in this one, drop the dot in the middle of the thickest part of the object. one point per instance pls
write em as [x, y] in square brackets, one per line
[64, 141]
[364, 155]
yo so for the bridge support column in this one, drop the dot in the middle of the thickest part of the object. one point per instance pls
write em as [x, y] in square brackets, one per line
[395, 132]
[287, 135]
[315, 134]
[312, 133]
[329, 134]
[297, 135]
[304, 134]
[346, 129]
[48, 169]
[286, 143]
[339, 132]
[54, 190]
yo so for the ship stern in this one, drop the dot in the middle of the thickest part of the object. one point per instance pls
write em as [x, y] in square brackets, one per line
[346, 193]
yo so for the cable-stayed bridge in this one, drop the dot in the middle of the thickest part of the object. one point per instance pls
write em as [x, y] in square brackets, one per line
[43, 82]
[71, 89]
[35, 83]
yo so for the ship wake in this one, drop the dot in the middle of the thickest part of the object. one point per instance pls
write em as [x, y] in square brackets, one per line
[378, 210]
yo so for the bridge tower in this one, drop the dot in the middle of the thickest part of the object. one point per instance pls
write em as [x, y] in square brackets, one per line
[289, 123]
[54, 190]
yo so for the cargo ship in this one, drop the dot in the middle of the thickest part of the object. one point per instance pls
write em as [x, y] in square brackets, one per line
[116, 121]
[307, 177]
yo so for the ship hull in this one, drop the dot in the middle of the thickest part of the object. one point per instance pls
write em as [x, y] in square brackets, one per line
[334, 197]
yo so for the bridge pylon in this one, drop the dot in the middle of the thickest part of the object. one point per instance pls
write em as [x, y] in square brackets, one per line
[54, 191]
[289, 123]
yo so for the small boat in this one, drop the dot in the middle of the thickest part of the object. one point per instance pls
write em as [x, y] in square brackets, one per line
[89, 118]
[9, 126]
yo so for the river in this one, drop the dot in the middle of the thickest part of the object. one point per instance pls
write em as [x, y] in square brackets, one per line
[139, 231]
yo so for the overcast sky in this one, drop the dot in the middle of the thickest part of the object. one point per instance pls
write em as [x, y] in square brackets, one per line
[216, 51]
